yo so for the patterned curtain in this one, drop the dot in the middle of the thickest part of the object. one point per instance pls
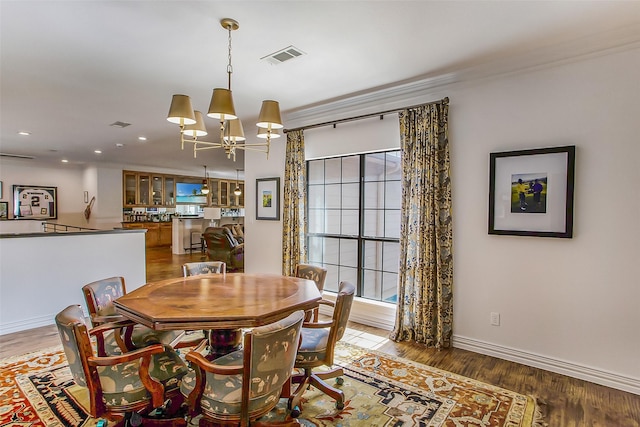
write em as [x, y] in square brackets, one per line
[425, 297]
[294, 227]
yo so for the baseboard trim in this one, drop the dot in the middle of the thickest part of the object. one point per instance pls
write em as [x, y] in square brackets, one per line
[597, 376]
[24, 324]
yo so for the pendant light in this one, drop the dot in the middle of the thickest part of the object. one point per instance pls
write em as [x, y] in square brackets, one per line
[237, 191]
[205, 187]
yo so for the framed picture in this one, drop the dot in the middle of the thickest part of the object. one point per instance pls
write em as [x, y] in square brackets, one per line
[268, 199]
[4, 210]
[35, 202]
[0, 189]
[531, 192]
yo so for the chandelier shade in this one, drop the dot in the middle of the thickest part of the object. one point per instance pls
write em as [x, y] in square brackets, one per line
[196, 129]
[264, 133]
[234, 131]
[270, 115]
[181, 111]
[221, 106]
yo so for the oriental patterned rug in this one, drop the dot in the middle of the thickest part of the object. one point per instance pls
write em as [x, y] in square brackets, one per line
[36, 389]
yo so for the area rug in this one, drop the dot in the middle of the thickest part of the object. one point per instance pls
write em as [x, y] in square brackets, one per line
[36, 389]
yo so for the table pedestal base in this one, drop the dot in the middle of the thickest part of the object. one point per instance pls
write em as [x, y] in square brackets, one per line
[223, 341]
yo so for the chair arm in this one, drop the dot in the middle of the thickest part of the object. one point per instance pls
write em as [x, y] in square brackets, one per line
[326, 302]
[153, 386]
[126, 357]
[108, 318]
[123, 340]
[318, 325]
[196, 357]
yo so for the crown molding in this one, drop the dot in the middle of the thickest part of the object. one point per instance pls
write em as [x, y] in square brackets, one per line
[433, 87]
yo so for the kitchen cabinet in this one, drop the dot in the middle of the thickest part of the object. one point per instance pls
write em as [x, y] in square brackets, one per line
[158, 233]
[144, 189]
[226, 197]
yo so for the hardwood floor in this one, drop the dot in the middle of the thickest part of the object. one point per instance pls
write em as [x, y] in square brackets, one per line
[567, 402]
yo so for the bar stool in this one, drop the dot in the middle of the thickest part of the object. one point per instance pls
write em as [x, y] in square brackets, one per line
[195, 241]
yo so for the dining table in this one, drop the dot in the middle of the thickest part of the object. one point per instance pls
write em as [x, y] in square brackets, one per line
[220, 304]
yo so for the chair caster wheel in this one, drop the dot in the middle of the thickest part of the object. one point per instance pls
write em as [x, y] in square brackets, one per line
[339, 380]
[340, 405]
[295, 412]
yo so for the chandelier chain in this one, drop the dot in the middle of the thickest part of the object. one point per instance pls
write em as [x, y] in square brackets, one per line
[229, 66]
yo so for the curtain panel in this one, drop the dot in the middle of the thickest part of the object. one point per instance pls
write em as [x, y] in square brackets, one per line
[294, 227]
[425, 298]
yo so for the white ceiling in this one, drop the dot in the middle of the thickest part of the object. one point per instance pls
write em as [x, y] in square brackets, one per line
[71, 68]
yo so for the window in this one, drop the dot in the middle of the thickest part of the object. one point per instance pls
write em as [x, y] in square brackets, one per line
[354, 221]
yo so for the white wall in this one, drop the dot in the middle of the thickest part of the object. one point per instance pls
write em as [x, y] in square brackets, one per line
[40, 276]
[263, 251]
[568, 305]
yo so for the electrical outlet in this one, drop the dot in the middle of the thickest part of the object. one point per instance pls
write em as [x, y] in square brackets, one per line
[495, 318]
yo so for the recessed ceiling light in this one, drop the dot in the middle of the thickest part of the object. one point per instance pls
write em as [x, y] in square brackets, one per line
[142, 138]
[65, 161]
[119, 145]
[24, 133]
[97, 151]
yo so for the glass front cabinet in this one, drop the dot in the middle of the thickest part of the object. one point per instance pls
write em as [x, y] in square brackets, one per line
[144, 189]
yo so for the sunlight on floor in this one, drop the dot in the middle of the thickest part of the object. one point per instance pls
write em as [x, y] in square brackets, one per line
[364, 339]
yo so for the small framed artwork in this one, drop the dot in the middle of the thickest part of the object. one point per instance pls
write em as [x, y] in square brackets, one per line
[4, 210]
[268, 199]
[531, 192]
[35, 202]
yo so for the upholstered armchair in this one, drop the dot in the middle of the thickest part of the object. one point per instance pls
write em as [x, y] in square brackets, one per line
[244, 385]
[99, 297]
[222, 246]
[317, 349]
[121, 387]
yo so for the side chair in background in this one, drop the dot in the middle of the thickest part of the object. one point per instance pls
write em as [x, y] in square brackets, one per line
[244, 385]
[207, 267]
[317, 274]
[126, 387]
[317, 349]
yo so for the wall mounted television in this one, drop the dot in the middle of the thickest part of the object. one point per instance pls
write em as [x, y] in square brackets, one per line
[190, 193]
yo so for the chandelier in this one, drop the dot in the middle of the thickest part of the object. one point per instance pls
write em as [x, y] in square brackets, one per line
[221, 107]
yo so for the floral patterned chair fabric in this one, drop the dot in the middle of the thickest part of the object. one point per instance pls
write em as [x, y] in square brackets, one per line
[208, 267]
[317, 349]
[317, 274]
[135, 381]
[99, 296]
[246, 384]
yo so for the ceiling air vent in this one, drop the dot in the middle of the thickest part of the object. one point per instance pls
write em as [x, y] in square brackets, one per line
[283, 55]
[16, 156]
[120, 124]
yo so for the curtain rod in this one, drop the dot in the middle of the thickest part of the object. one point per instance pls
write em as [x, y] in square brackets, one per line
[444, 101]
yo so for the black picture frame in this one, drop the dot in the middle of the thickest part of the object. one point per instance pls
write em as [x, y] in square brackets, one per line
[35, 202]
[531, 192]
[268, 199]
[4, 210]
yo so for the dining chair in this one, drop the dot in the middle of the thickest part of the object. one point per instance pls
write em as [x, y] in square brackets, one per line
[124, 387]
[317, 349]
[206, 267]
[244, 385]
[99, 297]
[318, 275]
